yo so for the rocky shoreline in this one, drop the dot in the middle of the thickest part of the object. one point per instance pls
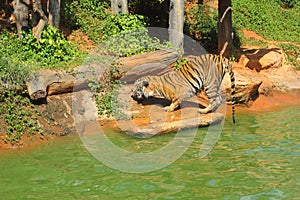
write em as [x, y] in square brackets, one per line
[263, 81]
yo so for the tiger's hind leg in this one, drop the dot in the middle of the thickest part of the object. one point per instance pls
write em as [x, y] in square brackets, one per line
[213, 105]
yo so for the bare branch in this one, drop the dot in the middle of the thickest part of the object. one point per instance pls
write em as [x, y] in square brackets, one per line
[224, 48]
[224, 14]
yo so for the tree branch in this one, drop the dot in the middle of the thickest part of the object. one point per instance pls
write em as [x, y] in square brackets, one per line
[224, 14]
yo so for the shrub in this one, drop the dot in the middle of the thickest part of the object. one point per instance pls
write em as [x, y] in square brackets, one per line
[202, 26]
[132, 42]
[52, 47]
[93, 18]
[123, 22]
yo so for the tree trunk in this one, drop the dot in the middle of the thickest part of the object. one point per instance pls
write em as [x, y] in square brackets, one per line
[176, 22]
[21, 15]
[119, 6]
[225, 36]
[41, 18]
[45, 82]
[54, 12]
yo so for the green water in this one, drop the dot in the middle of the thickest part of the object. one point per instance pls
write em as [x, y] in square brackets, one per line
[257, 159]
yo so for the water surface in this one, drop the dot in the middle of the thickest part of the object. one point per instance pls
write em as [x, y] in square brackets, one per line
[258, 158]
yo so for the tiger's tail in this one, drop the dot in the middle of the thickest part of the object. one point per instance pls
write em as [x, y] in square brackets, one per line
[232, 80]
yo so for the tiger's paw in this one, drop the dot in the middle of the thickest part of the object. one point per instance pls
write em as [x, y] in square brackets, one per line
[203, 111]
[168, 109]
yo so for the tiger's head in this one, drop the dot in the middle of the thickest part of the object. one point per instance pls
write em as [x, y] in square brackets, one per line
[142, 89]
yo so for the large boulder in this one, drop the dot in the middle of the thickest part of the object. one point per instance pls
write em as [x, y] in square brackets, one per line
[247, 83]
[261, 59]
[273, 69]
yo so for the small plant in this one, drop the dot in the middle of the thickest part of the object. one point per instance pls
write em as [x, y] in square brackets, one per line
[87, 15]
[106, 95]
[292, 53]
[179, 63]
[18, 117]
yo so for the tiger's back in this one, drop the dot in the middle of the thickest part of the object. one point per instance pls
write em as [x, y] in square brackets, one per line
[206, 72]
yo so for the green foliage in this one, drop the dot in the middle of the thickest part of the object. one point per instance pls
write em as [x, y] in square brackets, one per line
[179, 63]
[19, 119]
[51, 48]
[16, 61]
[14, 103]
[88, 15]
[123, 22]
[132, 42]
[12, 74]
[106, 96]
[77, 12]
[268, 19]
[292, 53]
[202, 26]
[109, 104]
[93, 18]
[53, 52]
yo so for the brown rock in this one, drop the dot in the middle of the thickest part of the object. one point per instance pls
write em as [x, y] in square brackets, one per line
[261, 59]
[247, 83]
[149, 118]
[284, 79]
[159, 128]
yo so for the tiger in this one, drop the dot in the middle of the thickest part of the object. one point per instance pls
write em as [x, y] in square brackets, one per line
[196, 74]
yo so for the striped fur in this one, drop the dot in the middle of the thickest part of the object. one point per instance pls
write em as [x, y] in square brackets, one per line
[199, 73]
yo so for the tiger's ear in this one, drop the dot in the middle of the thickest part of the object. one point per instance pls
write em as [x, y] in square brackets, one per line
[145, 83]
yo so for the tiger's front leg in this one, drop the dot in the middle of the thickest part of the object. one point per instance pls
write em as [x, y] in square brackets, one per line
[213, 105]
[173, 106]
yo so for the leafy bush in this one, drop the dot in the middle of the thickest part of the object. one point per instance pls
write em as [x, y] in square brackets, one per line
[16, 61]
[93, 18]
[132, 42]
[123, 22]
[12, 74]
[13, 69]
[79, 12]
[88, 15]
[201, 24]
[107, 102]
[52, 47]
